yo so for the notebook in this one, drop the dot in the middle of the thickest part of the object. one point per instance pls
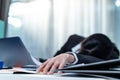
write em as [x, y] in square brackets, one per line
[14, 53]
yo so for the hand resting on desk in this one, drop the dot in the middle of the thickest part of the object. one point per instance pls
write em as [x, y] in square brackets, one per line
[49, 66]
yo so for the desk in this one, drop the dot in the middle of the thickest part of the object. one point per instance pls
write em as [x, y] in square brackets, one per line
[41, 77]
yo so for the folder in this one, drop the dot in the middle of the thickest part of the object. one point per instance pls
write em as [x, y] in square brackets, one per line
[108, 74]
[102, 65]
[102, 68]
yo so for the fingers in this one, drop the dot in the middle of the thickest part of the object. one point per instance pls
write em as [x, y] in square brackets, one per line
[54, 66]
[61, 66]
[50, 65]
[40, 69]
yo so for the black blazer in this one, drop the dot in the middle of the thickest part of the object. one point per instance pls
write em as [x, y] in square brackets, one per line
[72, 41]
[96, 47]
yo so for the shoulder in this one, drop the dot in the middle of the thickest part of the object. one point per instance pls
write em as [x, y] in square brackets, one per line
[76, 37]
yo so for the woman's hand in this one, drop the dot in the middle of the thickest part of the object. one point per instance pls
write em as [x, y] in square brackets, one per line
[58, 62]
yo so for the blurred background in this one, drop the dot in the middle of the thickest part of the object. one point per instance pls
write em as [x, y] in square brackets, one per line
[45, 25]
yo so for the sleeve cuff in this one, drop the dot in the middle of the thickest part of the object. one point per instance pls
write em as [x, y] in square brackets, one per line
[74, 54]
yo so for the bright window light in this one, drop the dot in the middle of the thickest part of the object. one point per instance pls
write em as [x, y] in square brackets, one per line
[16, 22]
[117, 3]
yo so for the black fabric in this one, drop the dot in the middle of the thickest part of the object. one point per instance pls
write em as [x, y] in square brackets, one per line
[72, 41]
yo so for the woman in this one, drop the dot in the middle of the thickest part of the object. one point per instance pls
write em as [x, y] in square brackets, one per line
[96, 47]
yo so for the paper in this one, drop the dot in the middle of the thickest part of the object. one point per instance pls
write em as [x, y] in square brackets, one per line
[15, 70]
[36, 61]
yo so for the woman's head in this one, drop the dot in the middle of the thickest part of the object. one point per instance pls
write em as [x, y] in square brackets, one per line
[98, 45]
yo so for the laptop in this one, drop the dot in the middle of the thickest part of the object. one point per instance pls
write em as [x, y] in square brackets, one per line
[14, 53]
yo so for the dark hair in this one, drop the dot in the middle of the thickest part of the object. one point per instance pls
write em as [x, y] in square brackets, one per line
[99, 45]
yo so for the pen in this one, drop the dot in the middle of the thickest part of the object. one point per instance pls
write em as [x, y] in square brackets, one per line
[6, 68]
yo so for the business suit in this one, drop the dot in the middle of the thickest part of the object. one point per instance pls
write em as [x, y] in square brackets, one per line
[96, 47]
